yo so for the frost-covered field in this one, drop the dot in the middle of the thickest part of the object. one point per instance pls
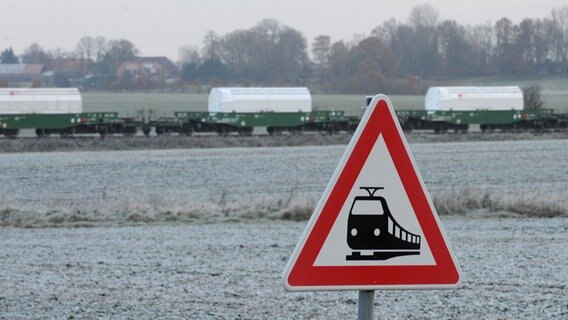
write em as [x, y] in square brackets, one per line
[226, 258]
[512, 269]
[89, 188]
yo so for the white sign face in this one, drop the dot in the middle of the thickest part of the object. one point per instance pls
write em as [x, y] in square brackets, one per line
[375, 226]
[379, 171]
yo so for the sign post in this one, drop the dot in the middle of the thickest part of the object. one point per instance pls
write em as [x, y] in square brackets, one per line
[375, 226]
[365, 305]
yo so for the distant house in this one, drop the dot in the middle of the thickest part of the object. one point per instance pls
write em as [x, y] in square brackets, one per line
[153, 69]
[68, 71]
[71, 67]
[19, 74]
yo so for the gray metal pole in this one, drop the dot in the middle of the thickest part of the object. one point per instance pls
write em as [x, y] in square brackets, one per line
[365, 306]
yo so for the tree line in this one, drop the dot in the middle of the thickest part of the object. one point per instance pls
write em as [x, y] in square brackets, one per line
[396, 57]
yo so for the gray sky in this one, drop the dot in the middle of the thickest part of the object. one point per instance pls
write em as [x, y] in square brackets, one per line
[162, 27]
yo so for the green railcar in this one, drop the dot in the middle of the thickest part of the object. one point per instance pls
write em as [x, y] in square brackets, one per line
[274, 122]
[441, 121]
[66, 124]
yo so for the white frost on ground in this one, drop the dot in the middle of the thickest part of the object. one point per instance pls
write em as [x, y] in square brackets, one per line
[90, 188]
[512, 269]
[209, 243]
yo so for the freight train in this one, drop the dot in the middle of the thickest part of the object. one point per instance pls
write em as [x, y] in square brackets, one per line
[242, 111]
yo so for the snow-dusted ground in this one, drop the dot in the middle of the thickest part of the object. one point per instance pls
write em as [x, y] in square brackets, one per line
[225, 260]
[512, 269]
[38, 187]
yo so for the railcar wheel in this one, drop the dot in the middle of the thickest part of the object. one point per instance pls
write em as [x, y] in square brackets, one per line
[274, 131]
[222, 131]
[297, 131]
[103, 132]
[487, 128]
[41, 133]
[246, 131]
[67, 133]
[11, 133]
[186, 132]
[461, 129]
[331, 130]
[160, 131]
[407, 126]
[440, 128]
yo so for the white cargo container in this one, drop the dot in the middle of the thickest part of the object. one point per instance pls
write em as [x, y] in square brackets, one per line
[40, 100]
[260, 100]
[474, 98]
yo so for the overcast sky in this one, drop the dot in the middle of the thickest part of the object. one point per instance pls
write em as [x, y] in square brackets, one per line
[162, 27]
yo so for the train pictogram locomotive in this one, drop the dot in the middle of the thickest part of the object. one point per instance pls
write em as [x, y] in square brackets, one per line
[374, 234]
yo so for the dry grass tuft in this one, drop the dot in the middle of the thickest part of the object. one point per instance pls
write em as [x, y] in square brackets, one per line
[292, 207]
[528, 205]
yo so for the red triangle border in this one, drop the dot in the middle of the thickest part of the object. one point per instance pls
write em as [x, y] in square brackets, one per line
[303, 275]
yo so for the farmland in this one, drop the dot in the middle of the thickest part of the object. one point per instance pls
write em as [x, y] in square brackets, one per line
[215, 184]
[205, 234]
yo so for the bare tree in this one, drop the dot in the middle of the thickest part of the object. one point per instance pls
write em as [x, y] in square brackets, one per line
[119, 51]
[541, 41]
[338, 53]
[211, 45]
[455, 52]
[270, 29]
[532, 97]
[355, 40]
[58, 53]
[423, 15]
[243, 53]
[100, 47]
[506, 54]
[560, 33]
[291, 57]
[320, 49]
[363, 68]
[189, 54]
[35, 54]
[86, 47]
[386, 32]
[481, 38]
[320, 53]
[418, 42]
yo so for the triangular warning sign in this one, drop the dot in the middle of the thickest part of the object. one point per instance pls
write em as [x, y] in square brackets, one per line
[375, 226]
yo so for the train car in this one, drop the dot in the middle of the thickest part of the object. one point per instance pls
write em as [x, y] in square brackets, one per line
[62, 124]
[490, 108]
[460, 121]
[55, 111]
[273, 122]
